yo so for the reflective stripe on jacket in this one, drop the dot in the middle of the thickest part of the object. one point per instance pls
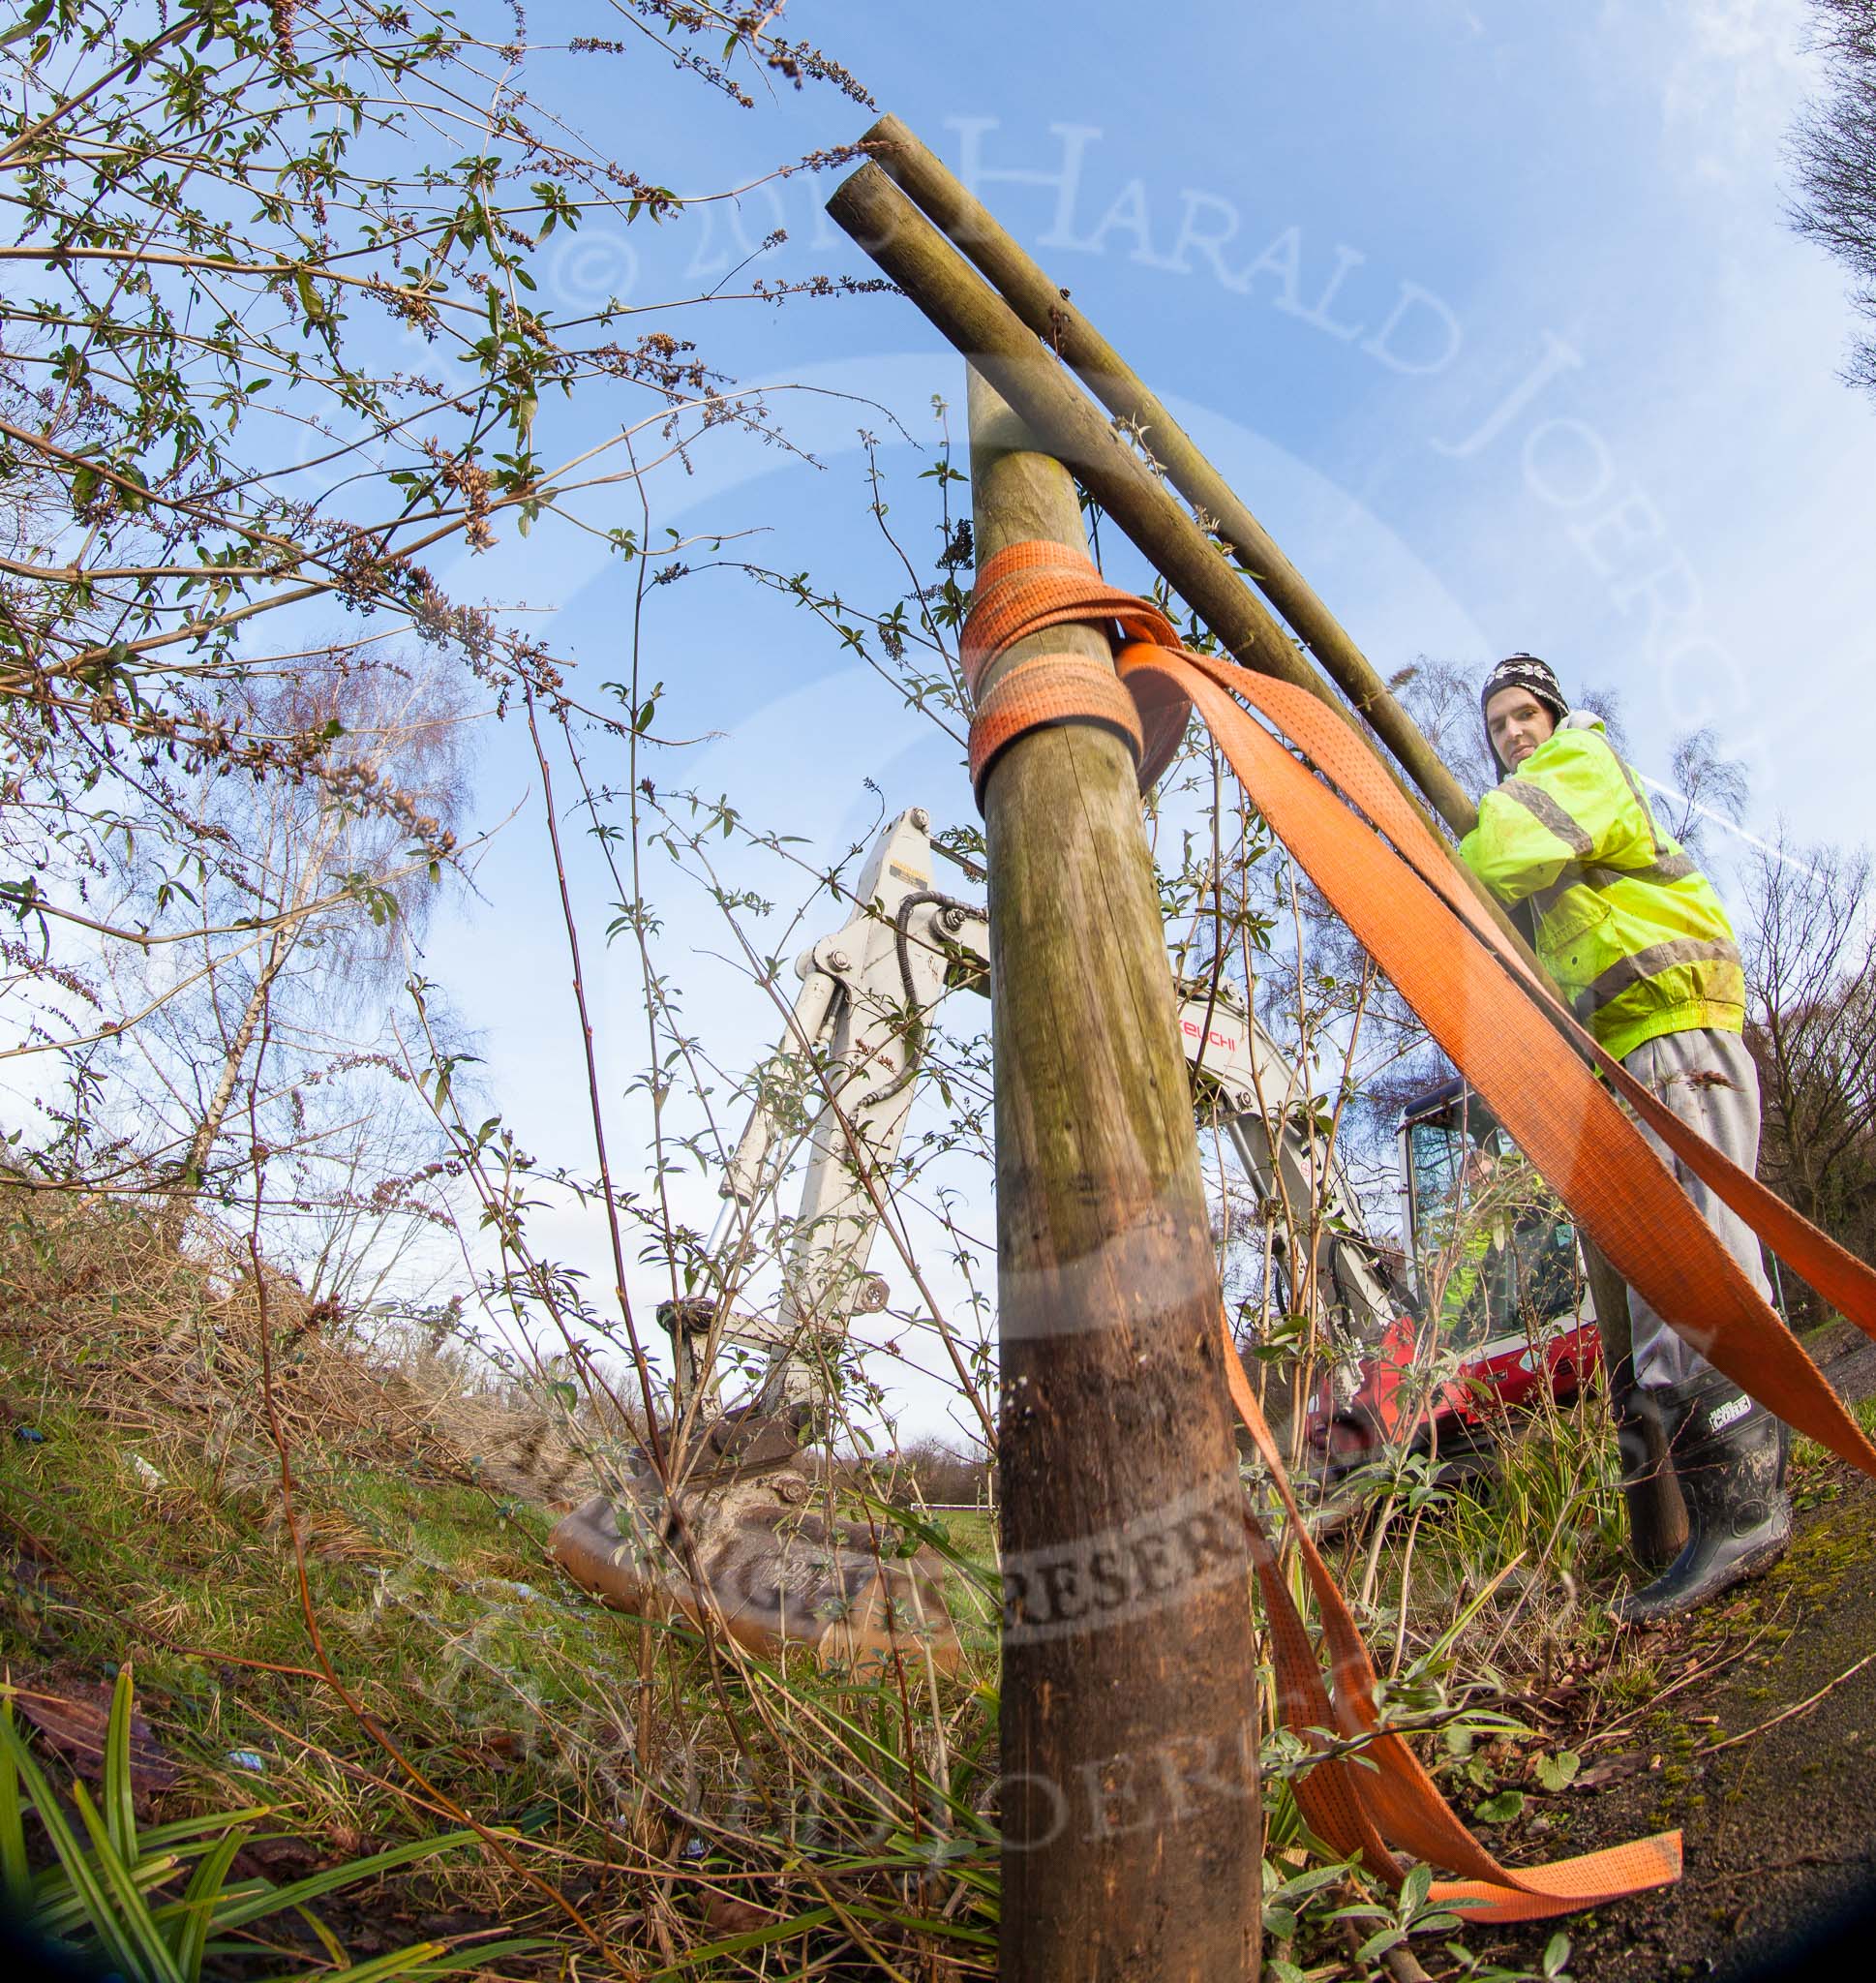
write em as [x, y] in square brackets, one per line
[1629, 926]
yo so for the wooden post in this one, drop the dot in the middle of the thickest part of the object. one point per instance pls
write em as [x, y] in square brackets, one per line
[982, 327]
[1010, 350]
[1050, 314]
[1131, 1833]
[1657, 1515]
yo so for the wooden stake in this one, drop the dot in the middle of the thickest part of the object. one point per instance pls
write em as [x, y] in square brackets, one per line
[1047, 312]
[1066, 422]
[1657, 1512]
[983, 327]
[1131, 1833]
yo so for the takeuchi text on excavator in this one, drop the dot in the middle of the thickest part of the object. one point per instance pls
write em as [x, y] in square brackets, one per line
[1426, 1346]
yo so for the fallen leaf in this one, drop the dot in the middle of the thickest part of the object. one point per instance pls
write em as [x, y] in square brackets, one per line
[76, 1724]
[725, 1916]
[1610, 1772]
[281, 1860]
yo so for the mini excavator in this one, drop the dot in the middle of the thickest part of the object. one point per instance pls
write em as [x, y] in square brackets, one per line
[1427, 1347]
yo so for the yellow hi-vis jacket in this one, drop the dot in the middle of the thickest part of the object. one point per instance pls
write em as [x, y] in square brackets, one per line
[1629, 926]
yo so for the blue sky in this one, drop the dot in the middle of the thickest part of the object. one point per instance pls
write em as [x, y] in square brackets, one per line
[1499, 331]
[1585, 197]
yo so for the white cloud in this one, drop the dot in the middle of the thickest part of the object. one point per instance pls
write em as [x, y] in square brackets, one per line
[1740, 73]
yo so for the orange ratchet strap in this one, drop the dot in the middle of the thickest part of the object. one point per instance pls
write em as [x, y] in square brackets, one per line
[1530, 1059]
[1019, 593]
[1358, 1803]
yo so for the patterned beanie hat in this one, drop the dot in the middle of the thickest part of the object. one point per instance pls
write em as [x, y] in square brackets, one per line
[1526, 672]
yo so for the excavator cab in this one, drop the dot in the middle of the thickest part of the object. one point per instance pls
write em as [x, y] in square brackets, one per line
[1492, 1253]
[1500, 1315]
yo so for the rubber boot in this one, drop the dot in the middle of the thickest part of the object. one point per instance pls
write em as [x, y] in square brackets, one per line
[1729, 1456]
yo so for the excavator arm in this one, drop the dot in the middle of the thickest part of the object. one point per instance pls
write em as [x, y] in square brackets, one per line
[848, 1066]
[853, 1045]
[734, 1523]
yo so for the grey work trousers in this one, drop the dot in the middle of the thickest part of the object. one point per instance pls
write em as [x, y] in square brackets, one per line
[1708, 1079]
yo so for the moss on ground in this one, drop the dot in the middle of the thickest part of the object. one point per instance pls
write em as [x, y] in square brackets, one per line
[664, 1795]
[433, 1599]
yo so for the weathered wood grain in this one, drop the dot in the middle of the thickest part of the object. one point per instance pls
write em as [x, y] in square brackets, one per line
[1130, 1785]
[1047, 311]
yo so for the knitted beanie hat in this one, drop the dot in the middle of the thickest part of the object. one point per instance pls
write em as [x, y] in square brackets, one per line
[1526, 672]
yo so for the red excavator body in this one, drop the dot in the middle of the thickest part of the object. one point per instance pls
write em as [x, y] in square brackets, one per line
[1493, 1314]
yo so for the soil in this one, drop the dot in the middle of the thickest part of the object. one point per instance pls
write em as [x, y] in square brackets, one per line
[1779, 1827]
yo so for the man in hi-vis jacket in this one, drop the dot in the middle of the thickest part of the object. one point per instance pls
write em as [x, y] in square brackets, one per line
[1638, 943]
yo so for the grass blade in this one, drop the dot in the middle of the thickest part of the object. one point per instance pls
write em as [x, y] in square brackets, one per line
[735, 1945]
[133, 1915]
[120, 1811]
[327, 1940]
[160, 1837]
[481, 1954]
[58, 1917]
[274, 1899]
[201, 1898]
[16, 1874]
[400, 1961]
[87, 1887]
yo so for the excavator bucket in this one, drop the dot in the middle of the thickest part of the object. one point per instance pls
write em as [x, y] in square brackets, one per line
[771, 1571]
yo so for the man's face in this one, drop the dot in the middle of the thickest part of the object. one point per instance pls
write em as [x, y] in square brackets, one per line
[1516, 722]
[1476, 1172]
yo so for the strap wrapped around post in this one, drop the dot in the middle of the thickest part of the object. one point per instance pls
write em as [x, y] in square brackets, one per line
[1027, 588]
[1393, 883]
